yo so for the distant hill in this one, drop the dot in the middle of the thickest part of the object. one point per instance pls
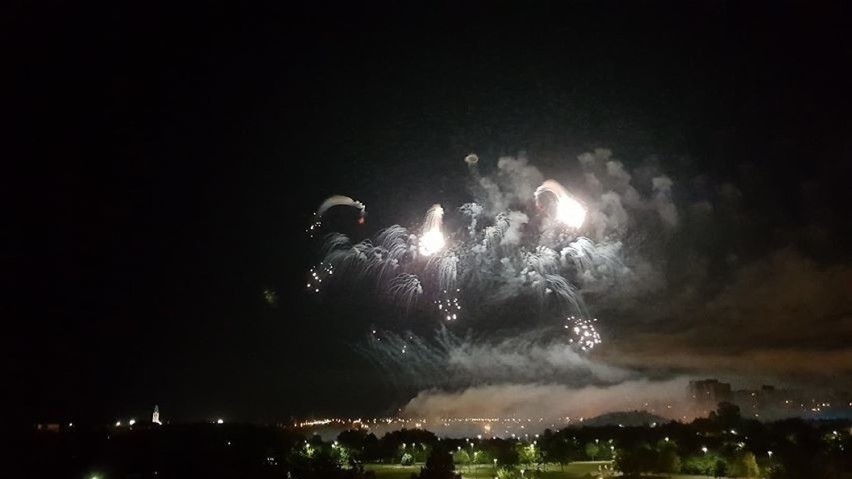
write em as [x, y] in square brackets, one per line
[624, 418]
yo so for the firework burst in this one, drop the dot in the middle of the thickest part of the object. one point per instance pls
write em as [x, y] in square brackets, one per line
[448, 305]
[583, 333]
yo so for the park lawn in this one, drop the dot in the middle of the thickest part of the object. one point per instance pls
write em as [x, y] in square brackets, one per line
[575, 470]
[392, 471]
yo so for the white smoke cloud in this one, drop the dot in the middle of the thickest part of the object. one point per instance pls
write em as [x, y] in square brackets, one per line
[513, 234]
[549, 401]
[519, 177]
[524, 358]
[662, 186]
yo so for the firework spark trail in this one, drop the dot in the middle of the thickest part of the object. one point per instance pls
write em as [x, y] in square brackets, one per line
[448, 360]
[404, 356]
[330, 202]
[405, 289]
[562, 289]
[444, 269]
[357, 261]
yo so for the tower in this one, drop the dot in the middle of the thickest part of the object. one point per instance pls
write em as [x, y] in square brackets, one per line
[155, 418]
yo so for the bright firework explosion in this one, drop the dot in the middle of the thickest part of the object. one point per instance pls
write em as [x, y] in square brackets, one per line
[523, 238]
[568, 210]
[432, 240]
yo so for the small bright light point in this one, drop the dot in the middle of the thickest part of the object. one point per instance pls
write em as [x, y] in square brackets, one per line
[117, 423]
[704, 449]
[132, 422]
[220, 421]
[431, 242]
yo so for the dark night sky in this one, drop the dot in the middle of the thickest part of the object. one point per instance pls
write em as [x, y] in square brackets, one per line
[168, 158]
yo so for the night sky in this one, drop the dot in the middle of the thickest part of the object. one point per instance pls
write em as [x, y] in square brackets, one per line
[167, 160]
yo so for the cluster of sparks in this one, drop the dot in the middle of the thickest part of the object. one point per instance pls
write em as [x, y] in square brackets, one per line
[449, 305]
[318, 274]
[583, 333]
[315, 226]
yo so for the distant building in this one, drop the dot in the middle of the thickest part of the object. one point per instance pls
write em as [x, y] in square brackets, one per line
[771, 403]
[155, 418]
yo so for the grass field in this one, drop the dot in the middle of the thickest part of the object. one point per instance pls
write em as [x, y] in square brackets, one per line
[575, 470]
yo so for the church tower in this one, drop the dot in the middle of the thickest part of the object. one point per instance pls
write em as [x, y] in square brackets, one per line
[155, 418]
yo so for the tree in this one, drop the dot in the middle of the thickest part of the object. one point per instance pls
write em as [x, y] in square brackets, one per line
[555, 448]
[701, 465]
[744, 465]
[505, 453]
[461, 457]
[636, 460]
[726, 415]
[628, 462]
[668, 462]
[526, 453]
[439, 465]
[720, 469]
[592, 450]
[482, 457]
[353, 440]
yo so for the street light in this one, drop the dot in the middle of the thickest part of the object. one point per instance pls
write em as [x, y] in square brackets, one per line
[704, 448]
[770, 454]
